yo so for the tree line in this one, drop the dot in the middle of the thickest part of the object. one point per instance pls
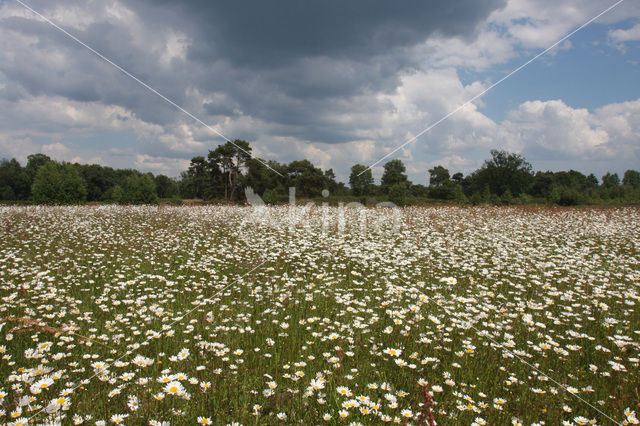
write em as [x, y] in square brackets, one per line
[504, 178]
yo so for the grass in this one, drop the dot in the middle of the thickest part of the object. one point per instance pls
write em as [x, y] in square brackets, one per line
[503, 314]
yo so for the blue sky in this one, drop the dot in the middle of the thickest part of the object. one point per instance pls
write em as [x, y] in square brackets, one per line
[588, 74]
[335, 85]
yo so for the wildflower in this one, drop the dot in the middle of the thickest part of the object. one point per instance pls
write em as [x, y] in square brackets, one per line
[41, 385]
[183, 354]
[392, 351]
[118, 418]
[174, 388]
[406, 413]
[344, 391]
[572, 390]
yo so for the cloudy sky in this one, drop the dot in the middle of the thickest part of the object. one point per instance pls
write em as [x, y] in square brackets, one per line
[336, 82]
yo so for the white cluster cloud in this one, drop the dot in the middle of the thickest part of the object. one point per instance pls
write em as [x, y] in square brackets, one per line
[622, 35]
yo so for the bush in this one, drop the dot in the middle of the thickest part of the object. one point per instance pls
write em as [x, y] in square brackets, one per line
[507, 197]
[399, 194]
[137, 189]
[270, 196]
[564, 196]
[7, 193]
[524, 199]
[57, 183]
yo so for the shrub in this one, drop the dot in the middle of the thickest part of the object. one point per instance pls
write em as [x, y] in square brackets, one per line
[58, 183]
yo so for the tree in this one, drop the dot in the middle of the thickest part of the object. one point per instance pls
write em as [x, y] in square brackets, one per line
[165, 186]
[308, 179]
[98, 180]
[610, 180]
[138, 189]
[230, 158]
[542, 184]
[14, 181]
[394, 173]
[34, 162]
[631, 178]
[360, 180]
[438, 176]
[504, 171]
[196, 175]
[447, 191]
[457, 178]
[592, 181]
[58, 183]
[260, 178]
[419, 191]
[399, 194]
[330, 182]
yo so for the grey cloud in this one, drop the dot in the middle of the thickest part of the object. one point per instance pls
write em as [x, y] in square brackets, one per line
[301, 53]
[266, 34]
[58, 66]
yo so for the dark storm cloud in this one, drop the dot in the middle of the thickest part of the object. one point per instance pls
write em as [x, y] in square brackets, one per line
[314, 49]
[267, 34]
[294, 65]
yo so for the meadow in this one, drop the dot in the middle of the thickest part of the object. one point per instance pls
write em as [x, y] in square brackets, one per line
[293, 315]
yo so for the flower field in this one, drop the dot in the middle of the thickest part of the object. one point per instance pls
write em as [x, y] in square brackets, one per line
[294, 315]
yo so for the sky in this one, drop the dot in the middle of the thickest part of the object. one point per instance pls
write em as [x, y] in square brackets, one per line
[335, 82]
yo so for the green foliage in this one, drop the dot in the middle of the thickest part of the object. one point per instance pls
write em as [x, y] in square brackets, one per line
[458, 194]
[14, 181]
[260, 177]
[564, 196]
[419, 191]
[117, 195]
[360, 180]
[308, 180]
[504, 171]
[438, 176]
[506, 197]
[542, 183]
[270, 196]
[524, 198]
[457, 178]
[58, 183]
[394, 173]
[200, 177]
[631, 178]
[400, 195]
[137, 189]
[98, 180]
[610, 180]
[34, 162]
[504, 178]
[447, 191]
[165, 186]
[229, 159]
